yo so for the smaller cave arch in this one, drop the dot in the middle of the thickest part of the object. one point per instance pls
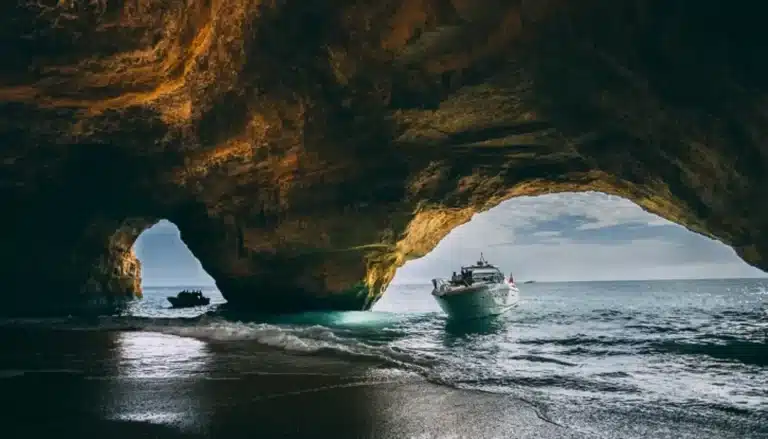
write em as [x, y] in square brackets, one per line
[117, 262]
[82, 268]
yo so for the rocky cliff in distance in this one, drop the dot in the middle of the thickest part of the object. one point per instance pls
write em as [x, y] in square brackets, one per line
[307, 148]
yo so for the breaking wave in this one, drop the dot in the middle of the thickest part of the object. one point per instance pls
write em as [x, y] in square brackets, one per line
[296, 339]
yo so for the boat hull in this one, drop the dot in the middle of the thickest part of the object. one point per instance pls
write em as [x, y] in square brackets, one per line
[177, 303]
[477, 301]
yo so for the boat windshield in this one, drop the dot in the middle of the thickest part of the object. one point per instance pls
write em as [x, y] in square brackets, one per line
[480, 272]
[485, 274]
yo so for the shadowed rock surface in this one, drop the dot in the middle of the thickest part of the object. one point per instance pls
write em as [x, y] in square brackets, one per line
[306, 149]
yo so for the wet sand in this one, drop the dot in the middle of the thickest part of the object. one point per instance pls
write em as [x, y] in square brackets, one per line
[164, 410]
[118, 385]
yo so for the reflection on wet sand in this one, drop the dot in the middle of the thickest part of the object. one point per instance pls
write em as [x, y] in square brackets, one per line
[139, 384]
[153, 370]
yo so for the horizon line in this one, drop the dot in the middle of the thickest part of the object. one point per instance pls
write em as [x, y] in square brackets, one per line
[614, 280]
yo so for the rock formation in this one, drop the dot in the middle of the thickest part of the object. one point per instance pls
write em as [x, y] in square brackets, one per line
[307, 148]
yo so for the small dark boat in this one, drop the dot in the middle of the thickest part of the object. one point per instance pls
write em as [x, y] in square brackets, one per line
[187, 299]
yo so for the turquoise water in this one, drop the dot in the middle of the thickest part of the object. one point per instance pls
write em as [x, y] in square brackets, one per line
[689, 358]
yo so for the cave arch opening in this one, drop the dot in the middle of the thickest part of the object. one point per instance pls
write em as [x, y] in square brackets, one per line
[169, 266]
[568, 237]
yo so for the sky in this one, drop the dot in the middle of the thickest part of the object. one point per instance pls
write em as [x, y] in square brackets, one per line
[166, 260]
[577, 237]
[557, 237]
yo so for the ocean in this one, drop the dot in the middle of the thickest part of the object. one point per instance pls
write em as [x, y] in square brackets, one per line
[629, 359]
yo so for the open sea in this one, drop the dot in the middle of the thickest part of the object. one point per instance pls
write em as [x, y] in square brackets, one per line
[634, 359]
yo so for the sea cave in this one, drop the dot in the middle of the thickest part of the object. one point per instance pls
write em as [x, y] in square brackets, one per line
[306, 150]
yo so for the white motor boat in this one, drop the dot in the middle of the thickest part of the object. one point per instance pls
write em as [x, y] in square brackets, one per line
[480, 290]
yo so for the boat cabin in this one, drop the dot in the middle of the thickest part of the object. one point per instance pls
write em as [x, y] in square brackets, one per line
[187, 298]
[194, 294]
[482, 271]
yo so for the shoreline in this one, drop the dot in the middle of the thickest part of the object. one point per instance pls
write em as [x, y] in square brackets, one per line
[296, 406]
[122, 384]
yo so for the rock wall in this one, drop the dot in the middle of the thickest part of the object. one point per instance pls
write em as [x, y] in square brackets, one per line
[306, 149]
[117, 270]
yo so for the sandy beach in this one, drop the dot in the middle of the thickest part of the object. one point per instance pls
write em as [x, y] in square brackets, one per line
[79, 387]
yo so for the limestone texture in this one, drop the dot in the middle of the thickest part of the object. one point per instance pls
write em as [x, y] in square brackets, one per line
[308, 148]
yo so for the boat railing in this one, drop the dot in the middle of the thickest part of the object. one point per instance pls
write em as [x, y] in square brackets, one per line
[440, 284]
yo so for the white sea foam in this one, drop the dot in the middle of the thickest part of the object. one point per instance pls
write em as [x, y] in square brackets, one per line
[289, 339]
[298, 339]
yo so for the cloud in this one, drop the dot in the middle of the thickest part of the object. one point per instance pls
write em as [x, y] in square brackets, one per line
[558, 218]
[595, 210]
[619, 234]
[571, 217]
